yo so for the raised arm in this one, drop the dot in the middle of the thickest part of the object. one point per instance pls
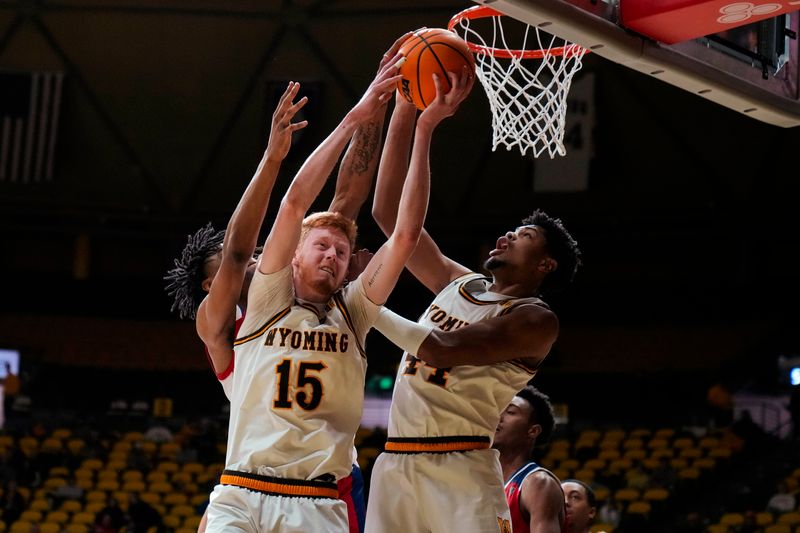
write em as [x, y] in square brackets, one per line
[527, 332]
[285, 234]
[432, 268]
[383, 270]
[216, 313]
[361, 158]
[542, 499]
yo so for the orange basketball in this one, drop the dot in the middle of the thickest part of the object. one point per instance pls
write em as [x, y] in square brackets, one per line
[428, 52]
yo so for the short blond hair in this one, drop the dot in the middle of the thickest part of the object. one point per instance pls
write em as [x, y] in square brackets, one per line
[330, 219]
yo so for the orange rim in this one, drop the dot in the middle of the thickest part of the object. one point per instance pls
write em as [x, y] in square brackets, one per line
[481, 12]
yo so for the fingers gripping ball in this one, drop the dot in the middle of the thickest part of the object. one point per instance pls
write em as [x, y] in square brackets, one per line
[427, 52]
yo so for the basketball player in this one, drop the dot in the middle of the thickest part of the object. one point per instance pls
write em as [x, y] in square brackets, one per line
[581, 505]
[202, 260]
[438, 473]
[297, 391]
[533, 493]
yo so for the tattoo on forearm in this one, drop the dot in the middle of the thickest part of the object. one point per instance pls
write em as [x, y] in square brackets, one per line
[366, 143]
[375, 274]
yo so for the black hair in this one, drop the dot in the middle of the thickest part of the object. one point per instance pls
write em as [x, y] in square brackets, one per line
[541, 411]
[590, 496]
[561, 247]
[186, 279]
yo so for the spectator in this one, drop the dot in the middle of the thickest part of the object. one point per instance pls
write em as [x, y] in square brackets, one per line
[610, 513]
[581, 506]
[782, 501]
[12, 503]
[68, 491]
[110, 518]
[158, 433]
[10, 393]
[142, 515]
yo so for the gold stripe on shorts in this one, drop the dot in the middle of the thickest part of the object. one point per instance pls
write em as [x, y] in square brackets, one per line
[435, 444]
[279, 486]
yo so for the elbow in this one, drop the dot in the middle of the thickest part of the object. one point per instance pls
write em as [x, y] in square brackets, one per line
[293, 205]
[434, 351]
[407, 238]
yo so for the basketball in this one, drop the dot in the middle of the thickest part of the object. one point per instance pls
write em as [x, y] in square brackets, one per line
[427, 52]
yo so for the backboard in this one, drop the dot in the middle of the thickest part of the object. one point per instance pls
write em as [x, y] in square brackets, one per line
[750, 67]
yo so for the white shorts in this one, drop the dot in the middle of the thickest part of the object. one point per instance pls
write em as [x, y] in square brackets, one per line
[458, 492]
[235, 509]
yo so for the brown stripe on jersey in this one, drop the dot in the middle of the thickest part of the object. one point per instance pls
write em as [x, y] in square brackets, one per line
[310, 308]
[271, 322]
[337, 298]
[436, 444]
[279, 486]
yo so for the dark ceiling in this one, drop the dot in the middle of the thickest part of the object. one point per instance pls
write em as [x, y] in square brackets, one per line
[688, 214]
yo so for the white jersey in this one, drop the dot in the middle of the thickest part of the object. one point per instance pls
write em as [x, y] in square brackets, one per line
[298, 388]
[431, 402]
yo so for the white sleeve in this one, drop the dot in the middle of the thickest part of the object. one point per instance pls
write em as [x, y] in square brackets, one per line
[268, 294]
[404, 333]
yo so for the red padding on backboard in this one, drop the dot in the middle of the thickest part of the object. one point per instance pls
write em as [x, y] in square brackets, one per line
[673, 21]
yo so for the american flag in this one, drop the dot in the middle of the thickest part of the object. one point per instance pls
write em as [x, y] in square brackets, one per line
[29, 109]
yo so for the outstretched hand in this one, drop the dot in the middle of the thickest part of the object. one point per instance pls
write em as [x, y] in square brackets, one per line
[446, 103]
[280, 133]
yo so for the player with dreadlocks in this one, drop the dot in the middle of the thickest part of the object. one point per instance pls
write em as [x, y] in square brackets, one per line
[203, 259]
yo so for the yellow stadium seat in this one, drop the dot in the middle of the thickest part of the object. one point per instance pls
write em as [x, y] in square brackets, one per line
[185, 530]
[54, 482]
[614, 434]
[172, 521]
[160, 487]
[778, 528]
[683, 443]
[169, 450]
[118, 457]
[40, 505]
[664, 433]
[21, 526]
[59, 471]
[642, 508]
[122, 446]
[132, 475]
[678, 463]
[655, 495]
[107, 475]
[85, 483]
[71, 506]
[561, 444]
[609, 444]
[92, 464]
[732, 519]
[25, 492]
[691, 453]
[717, 528]
[52, 445]
[182, 510]
[601, 528]
[594, 464]
[94, 507]
[198, 499]
[635, 454]
[632, 444]
[609, 455]
[620, 465]
[688, 473]
[601, 493]
[764, 519]
[182, 478]
[157, 477]
[175, 498]
[133, 436]
[31, 516]
[569, 464]
[192, 522]
[585, 443]
[194, 468]
[49, 527]
[626, 495]
[6, 441]
[116, 464]
[107, 485]
[791, 519]
[153, 498]
[562, 473]
[704, 464]
[83, 473]
[121, 496]
[76, 446]
[77, 528]
[658, 444]
[584, 475]
[83, 517]
[589, 434]
[58, 517]
[96, 496]
[61, 433]
[169, 467]
[719, 453]
[134, 486]
[640, 433]
[557, 455]
[666, 453]
[708, 442]
[650, 463]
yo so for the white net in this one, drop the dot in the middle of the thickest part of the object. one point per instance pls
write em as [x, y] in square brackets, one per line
[527, 95]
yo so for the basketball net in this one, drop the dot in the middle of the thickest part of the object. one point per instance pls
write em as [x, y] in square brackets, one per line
[527, 87]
